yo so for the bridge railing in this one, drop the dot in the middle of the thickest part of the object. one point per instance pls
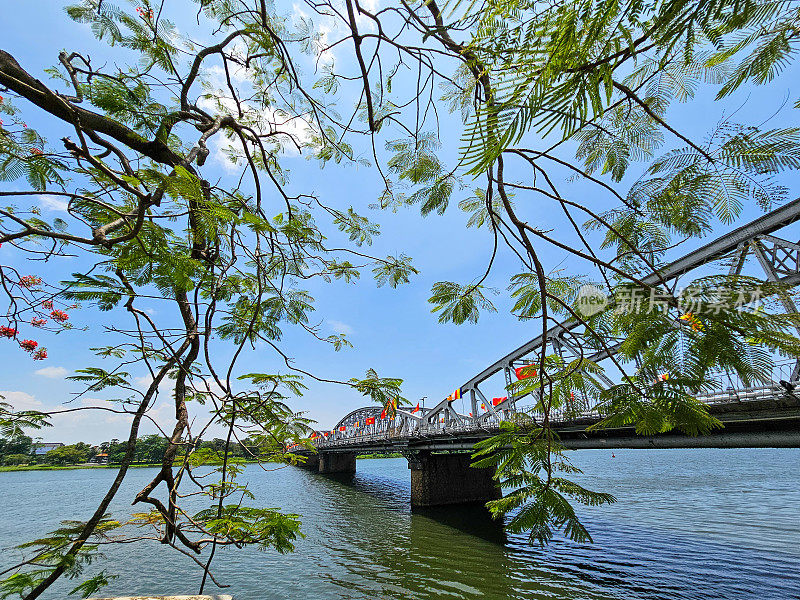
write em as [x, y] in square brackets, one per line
[579, 410]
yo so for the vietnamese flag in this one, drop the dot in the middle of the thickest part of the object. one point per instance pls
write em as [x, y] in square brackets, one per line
[343, 428]
[391, 404]
[525, 371]
[370, 421]
[496, 401]
[416, 409]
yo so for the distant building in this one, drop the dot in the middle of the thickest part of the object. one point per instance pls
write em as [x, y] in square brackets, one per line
[39, 449]
[100, 459]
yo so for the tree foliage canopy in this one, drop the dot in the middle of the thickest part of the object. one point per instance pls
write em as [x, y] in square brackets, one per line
[541, 92]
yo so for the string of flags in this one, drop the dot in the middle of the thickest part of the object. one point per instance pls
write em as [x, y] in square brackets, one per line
[391, 404]
[522, 372]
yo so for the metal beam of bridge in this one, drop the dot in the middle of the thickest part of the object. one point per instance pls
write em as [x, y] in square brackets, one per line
[730, 242]
[764, 416]
[779, 258]
[440, 463]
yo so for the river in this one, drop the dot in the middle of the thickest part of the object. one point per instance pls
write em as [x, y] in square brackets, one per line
[689, 524]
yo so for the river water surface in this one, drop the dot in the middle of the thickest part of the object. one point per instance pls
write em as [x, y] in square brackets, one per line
[693, 524]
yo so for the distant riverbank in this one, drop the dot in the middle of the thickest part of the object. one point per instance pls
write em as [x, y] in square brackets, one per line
[138, 465]
[66, 467]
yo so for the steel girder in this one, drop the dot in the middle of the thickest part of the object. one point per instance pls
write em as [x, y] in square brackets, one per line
[779, 258]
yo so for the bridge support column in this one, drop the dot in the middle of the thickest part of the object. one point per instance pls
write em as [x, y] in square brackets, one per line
[337, 462]
[439, 479]
[310, 464]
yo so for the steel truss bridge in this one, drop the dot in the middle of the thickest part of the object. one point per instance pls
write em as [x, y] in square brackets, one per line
[767, 415]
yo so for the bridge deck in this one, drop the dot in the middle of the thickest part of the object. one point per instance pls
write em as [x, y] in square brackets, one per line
[764, 416]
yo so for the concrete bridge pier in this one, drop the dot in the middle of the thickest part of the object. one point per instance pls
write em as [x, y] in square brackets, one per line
[440, 479]
[311, 462]
[337, 462]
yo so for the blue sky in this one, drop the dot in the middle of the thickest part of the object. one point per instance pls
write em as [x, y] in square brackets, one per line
[392, 331]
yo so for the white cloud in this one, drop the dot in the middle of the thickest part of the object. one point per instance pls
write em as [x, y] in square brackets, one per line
[96, 403]
[55, 203]
[237, 73]
[363, 21]
[290, 131]
[340, 327]
[52, 372]
[325, 25]
[298, 12]
[21, 400]
[220, 152]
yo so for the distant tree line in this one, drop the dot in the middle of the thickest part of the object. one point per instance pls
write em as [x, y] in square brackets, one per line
[150, 449]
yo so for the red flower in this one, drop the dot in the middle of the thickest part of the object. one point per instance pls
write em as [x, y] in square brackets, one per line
[8, 332]
[29, 281]
[38, 322]
[28, 345]
[59, 315]
[36, 151]
[48, 304]
[40, 354]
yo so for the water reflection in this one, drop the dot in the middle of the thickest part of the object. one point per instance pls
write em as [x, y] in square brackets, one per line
[471, 519]
[459, 551]
[391, 552]
[693, 525]
[383, 549]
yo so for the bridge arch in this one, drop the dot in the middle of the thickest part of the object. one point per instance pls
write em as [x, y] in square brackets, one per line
[358, 415]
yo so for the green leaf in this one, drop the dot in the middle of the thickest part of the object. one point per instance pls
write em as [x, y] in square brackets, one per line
[457, 304]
